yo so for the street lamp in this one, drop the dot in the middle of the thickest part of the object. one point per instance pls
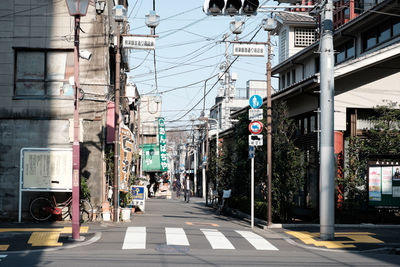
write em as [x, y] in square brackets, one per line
[119, 15]
[269, 24]
[237, 27]
[76, 8]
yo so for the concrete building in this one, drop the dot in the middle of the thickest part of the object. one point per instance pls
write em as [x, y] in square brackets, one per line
[36, 95]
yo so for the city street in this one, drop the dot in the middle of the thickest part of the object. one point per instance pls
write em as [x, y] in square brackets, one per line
[172, 232]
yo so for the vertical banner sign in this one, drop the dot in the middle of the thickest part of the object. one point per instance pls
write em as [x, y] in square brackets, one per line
[126, 152]
[163, 144]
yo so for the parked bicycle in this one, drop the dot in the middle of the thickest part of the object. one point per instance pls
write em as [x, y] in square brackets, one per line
[43, 207]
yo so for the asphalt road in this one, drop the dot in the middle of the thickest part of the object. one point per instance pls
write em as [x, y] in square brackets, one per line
[174, 233]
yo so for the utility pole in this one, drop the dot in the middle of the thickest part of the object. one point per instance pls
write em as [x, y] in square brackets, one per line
[326, 200]
[269, 130]
[116, 128]
[227, 79]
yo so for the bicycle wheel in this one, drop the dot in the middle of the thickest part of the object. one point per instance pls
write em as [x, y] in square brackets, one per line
[85, 211]
[41, 209]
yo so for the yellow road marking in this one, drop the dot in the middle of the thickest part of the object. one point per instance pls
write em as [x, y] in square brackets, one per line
[45, 239]
[201, 223]
[68, 230]
[356, 237]
[4, 247]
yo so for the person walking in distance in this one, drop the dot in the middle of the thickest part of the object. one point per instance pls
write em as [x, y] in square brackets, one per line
[187, 189]
[178, 187]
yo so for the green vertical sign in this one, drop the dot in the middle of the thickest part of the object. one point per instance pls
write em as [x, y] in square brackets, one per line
[163, 144]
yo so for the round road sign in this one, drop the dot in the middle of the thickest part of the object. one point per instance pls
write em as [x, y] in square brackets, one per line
[255, 127]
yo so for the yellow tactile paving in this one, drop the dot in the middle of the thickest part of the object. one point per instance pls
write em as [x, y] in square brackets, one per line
[68, 230]
[45, 239]
[4, 247]
[42, 237]
[355, 237]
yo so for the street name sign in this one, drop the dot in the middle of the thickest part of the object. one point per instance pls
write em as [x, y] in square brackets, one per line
[255, 127]
[255, 101]
[256, 140]
[249, 50]
[139, 42]
[255, 114]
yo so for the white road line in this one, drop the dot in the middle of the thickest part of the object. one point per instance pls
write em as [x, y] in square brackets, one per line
[217, 239]
[257, 241]
[2, 257]
[135, 238]
[176, 236]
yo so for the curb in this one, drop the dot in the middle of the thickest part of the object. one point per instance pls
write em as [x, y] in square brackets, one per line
[366, 225]
[95, 238]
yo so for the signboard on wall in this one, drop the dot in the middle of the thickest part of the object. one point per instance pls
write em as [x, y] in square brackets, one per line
[384, 183]
[46, 169]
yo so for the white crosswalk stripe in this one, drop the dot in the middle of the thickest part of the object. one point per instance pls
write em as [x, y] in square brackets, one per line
[217, 239]
[135, 238]
[257, 241]
[176, 236]
[2, 257]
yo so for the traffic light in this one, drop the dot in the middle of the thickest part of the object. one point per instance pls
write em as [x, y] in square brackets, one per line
[213, 7]
[230, 7]
[250, 7]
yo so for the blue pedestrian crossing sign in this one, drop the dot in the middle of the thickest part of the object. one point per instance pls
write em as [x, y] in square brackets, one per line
[255, 101]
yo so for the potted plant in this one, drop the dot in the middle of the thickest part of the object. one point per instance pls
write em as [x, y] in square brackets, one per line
[126, 200]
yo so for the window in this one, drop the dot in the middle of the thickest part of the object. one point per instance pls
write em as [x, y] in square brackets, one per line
[312, 124]
[293, 76]
[43, 73]
[344, 52]
[304, 37]
[288, 79]
[283, 81]
[305, 124]
[380, 33]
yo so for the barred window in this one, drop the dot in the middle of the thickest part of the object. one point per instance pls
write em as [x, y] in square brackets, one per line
[304, 37]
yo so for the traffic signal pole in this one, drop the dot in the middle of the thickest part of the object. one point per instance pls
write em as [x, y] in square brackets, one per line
[327, 166]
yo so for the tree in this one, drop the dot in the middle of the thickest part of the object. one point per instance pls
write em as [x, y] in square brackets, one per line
[287, 162]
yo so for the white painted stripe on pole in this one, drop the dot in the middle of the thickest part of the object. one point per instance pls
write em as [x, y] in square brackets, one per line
[176, 236]
[135, 238]
[217, 239]
[257, 241]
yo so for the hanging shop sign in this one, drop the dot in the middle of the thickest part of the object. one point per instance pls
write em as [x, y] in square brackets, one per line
[151, 158]
[163, 144]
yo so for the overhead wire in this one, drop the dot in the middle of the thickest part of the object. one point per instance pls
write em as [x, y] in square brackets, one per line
[212, 87]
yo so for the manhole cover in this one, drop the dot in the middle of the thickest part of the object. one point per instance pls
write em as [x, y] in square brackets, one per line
[172, 248]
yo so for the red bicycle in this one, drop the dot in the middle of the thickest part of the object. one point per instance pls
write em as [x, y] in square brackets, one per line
[43, 207]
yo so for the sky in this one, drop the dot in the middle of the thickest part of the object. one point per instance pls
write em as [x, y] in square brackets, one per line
[188, 51]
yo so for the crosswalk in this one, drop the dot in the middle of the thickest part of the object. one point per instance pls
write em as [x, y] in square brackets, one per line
[136, 238]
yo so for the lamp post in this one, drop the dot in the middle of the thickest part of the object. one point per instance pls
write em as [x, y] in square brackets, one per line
[76, 8]
[119, 14]
[269, 24]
